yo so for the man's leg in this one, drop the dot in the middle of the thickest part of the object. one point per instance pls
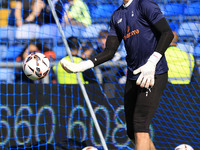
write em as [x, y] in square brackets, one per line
[143, 141]
[152, 146]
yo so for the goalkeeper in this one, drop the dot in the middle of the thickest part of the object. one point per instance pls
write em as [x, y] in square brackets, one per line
[147, 35]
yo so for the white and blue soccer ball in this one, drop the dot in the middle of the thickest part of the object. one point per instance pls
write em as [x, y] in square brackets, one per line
[90, 148]
[36, 66]
[184, 147]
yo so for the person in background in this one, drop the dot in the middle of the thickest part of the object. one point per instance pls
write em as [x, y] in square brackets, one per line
[146, 35]
[180, 63]
[87, 50]
[29, 12]
[103, 34]
[33, 47]
[64, 77]
[58, 5]
[77, 13]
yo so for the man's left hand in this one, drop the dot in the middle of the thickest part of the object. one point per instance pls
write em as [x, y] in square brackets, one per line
[147, 73]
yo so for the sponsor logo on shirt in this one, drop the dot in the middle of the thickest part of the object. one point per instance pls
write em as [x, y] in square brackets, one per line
[128, 29]
[130, 33]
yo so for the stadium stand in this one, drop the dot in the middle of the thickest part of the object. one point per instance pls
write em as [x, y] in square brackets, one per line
[172, 9]
[27, 31]
[93, 30]
[192, 12]
[174, 26]
[102, 12]
[47, 31]
[74, 30]
[189, 31]
[7, 75]
[187, 47]
[192, 9]
[7, 34]
[12, 52]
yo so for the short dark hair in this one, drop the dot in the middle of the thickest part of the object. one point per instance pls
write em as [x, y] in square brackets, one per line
[73, 43]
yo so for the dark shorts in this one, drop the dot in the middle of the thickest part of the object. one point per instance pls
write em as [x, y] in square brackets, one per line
[140, 104]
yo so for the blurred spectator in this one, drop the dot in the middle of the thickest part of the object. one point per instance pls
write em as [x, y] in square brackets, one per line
[29, 11]
[180, 63]
[103, 34]
[77, 13]
[33, 47]
[88, 50]
[39, 12]
[64, 77]
[59, 8]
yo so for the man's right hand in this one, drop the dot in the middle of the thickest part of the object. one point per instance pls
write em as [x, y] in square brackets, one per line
[74, 68]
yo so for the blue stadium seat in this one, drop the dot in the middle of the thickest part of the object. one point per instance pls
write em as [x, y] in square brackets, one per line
[3, 49]
[12, 52]
[48, 31]
[103, 11]
[7, 75]
[4, 33]
[189, 29]
[174, 9]
[48, 34]
[174, 26]
[7, 33]
[197, 56]
[197, 50]
[192, 9]
[72, 30]
[120, 2]
[93, 30]
[60, 51]
[27, 31]
[187, 47]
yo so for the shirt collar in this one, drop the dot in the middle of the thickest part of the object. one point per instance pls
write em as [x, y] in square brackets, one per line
[127, 4]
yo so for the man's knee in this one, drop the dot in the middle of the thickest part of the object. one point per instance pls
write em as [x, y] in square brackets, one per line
[141, 136]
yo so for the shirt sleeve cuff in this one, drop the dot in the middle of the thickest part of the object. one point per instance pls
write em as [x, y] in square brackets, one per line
[155, 57]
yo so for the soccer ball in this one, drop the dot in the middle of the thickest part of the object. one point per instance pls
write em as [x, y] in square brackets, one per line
[89, 148]
[36, 66]
[184, 147]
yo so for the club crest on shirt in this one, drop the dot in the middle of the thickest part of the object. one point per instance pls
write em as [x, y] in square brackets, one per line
[120, 20]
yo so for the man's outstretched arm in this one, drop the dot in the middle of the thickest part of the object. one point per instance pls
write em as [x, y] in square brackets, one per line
[112, 44]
